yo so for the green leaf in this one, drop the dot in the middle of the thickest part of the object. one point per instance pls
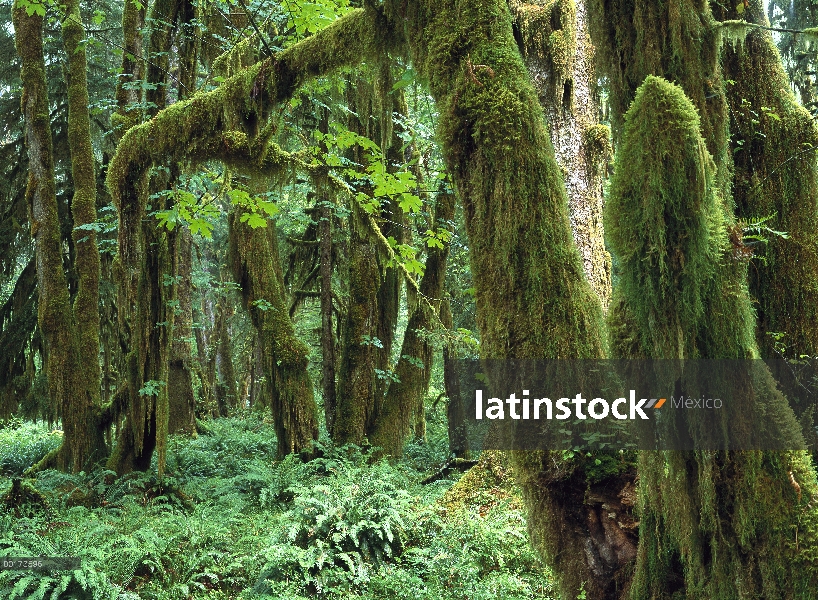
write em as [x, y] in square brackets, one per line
[410, 203]
[254, 220]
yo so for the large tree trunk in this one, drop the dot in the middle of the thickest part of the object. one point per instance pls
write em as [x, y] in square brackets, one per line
[181, 400]
[557, 51]
[257, 269]
[775, 175]
[71, 333]
[145, 263]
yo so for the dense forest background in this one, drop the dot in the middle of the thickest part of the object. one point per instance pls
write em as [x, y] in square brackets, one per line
[244, 242]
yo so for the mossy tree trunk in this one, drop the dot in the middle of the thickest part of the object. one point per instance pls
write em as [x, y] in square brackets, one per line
[224, 371]
[455, 413]
[257, 269]
[145, 267]
[413, 371]
[556, 45]
[328, 361]
[705, 515]
[182, 402]
[181, 397]
[360, 354]
[374, 287]
[533, 299]
[71, 333]
[773, 140]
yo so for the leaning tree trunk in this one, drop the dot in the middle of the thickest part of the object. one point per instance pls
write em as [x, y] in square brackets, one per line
[71, 333]
[257, 269]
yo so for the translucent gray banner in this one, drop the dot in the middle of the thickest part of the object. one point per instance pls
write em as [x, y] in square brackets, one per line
[638, 404]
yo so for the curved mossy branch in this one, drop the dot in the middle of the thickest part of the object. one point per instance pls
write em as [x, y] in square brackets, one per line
[686, 297]
[201, 128]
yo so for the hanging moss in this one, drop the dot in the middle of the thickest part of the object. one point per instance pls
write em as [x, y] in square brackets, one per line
[659, 217]
[705, 515]
[674, 39]
[773, 139]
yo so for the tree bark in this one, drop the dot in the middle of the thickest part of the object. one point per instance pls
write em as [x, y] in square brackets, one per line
[257, 269]
[326, 217]
[71, 333]
[557, 51]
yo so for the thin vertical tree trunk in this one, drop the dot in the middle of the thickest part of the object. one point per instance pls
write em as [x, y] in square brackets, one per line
[326, 217]
[257, 269]
[71, 333]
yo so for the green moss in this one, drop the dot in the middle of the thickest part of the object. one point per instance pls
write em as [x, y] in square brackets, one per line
[775, 174]
[704, 515]
[598, 144]
[659, 217]
[548, 33]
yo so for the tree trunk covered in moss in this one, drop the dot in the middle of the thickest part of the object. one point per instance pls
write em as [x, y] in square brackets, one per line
[360, 355]
[133, 66]
[533, 299]
[326, 217]
[181, 397]
[556, 45]
[455, 413]
[773, 143]
[374, 287]
[257, 269]
[224, 372]
[181, 400]
[71, 333]
[145, 268]
[705, 516]
[406, 394]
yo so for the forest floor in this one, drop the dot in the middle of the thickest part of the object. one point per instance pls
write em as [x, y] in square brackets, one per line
[228, 521]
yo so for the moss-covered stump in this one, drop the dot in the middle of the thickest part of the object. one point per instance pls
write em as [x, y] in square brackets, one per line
[24, 500]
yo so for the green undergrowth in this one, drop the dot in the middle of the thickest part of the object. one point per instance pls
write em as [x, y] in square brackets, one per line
[228, 521]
